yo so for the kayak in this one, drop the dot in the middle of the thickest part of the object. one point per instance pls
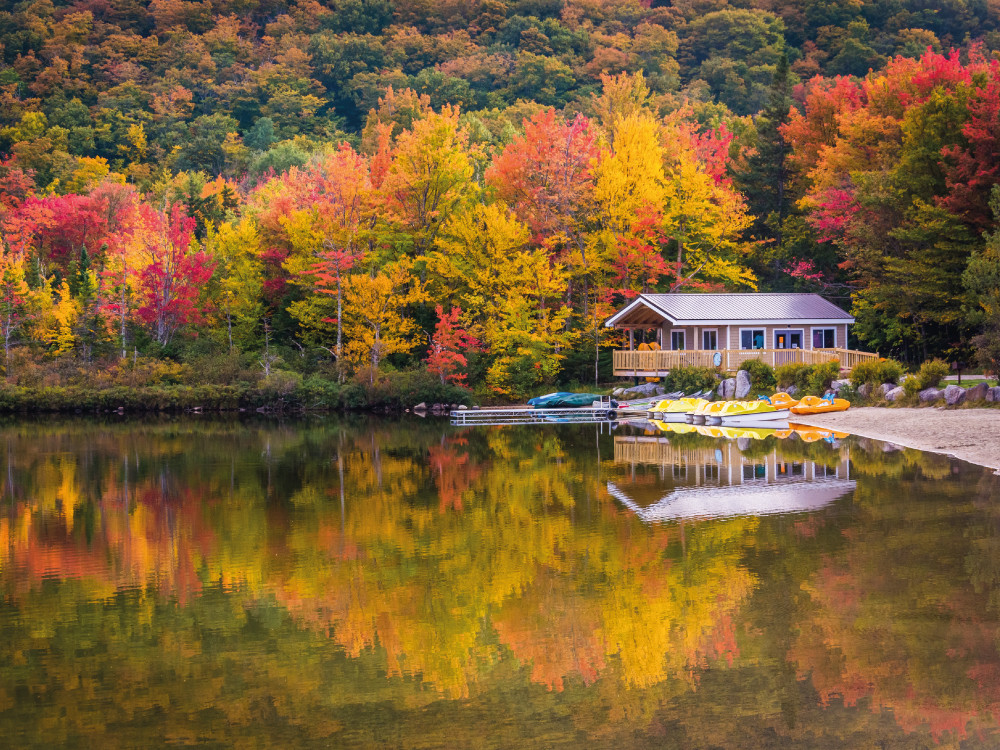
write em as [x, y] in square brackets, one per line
[816, 405]
[564, 400]
[751, 413]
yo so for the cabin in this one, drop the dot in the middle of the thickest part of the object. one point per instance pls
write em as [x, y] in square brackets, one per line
[725, 330]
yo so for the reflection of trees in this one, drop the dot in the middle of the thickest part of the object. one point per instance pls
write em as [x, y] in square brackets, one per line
[899, 616]
[303, 576]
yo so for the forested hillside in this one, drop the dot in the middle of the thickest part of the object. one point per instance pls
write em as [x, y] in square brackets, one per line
[357, 187]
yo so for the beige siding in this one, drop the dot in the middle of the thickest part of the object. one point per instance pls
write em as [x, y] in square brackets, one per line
[693, 337]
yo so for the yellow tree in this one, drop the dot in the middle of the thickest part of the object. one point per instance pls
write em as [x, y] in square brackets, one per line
[511, 294]
[703, 216]
[630, 177]
[375, 323]
[236, 251]
[429, 178]
[13, 291]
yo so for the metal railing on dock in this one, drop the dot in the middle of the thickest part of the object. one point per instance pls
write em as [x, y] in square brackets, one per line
[488, 417]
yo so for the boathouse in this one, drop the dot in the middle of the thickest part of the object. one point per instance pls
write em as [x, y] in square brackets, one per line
[725, 330]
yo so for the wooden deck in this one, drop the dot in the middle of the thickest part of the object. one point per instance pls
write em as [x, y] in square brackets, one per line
[660, 362]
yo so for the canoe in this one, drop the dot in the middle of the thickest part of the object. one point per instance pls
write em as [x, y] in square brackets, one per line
[564, 400]
[816, 405]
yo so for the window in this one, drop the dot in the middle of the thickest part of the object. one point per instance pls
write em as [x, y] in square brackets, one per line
[752, 338]
[710, 340]
[752, 472]
[820, 471]
[788, 339]
[677, 340]
[824, 338]
[789, 469]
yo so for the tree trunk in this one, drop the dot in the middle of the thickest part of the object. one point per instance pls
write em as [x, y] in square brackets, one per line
[340, 315]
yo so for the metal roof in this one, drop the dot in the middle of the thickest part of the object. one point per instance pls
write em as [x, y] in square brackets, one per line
[730, 501]
[710, 308]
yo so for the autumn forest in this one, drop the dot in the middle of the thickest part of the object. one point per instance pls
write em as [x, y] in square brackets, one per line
[458, 194]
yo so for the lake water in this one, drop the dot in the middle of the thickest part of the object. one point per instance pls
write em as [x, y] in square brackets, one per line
[360, 583]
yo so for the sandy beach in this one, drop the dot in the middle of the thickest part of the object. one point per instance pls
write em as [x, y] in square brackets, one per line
[969, 434]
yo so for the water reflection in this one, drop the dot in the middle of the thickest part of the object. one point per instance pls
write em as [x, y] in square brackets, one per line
[729, 476]
[367, 584]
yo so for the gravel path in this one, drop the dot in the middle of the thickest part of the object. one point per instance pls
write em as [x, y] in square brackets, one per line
[969, 434]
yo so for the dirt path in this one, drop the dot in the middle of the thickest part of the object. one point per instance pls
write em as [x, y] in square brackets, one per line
[969, 434]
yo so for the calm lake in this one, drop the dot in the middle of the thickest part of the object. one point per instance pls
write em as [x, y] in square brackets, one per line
[347, 583]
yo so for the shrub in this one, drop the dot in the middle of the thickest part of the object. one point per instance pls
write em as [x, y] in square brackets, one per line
[762, 376]
[689, 379]
[794, 373]
[931, 374]
[876, 372]
[810, 379]
[821, 376]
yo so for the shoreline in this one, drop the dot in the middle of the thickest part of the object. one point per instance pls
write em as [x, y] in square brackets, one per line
[971, 435]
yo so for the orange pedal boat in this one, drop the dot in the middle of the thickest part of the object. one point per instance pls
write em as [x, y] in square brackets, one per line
[816, 405]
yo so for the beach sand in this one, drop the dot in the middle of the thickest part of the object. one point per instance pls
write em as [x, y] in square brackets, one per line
[969, 434]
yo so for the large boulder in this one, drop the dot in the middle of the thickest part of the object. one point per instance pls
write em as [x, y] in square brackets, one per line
[838, 385]
[929, 394]
[792, 390]
[865, 389]
[885, 388]
[993, 394]
[640, 391]
[742, 384]
[896, 393]
[977, 392]
[727, 389]
[954, 395]
[617, 391]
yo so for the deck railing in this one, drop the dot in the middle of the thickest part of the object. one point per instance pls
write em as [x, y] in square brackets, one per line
[661, 361]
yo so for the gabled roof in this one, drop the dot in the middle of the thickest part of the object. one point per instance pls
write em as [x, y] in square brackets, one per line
[730, 501]
[752, 307]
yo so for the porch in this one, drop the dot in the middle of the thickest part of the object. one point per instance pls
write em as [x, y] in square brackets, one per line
[659, 362]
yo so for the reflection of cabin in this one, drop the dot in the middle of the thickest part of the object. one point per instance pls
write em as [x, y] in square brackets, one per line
[689, 329]
[720, 480]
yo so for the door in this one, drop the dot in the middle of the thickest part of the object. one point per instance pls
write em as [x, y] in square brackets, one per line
[788, 339]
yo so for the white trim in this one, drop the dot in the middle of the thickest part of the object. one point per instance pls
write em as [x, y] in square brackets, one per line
[823, 328]
[710, 348]
[800, 331]
[640, 300]
[739, 338]
[768, 322]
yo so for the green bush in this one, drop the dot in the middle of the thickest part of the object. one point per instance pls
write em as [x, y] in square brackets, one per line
[809, 379]
[931, 374]
[690, 379]
[794, 373]
[876, 372]
[762, 376]
[821, 376]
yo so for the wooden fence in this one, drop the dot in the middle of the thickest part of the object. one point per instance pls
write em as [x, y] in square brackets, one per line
[659, 362]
